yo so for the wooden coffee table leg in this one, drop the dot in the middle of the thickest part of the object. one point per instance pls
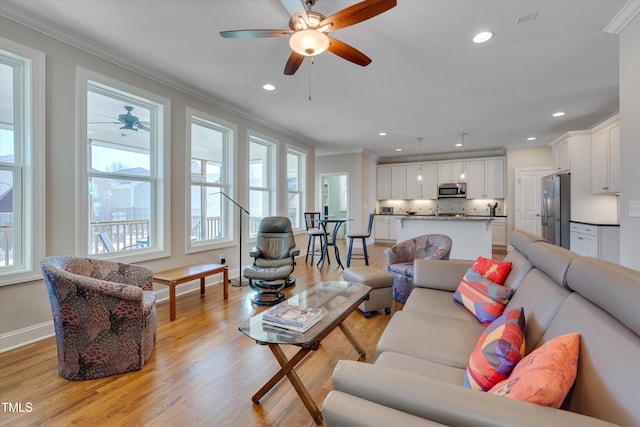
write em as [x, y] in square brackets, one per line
[225, 283]
[353, 341]
[287, 369]
[202, 285]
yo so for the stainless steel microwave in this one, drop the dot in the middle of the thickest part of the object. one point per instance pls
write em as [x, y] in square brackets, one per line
[452, 191]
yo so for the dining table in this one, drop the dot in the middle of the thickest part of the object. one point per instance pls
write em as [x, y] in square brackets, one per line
[325, 221]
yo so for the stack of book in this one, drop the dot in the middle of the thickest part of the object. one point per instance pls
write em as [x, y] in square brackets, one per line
[292, 317]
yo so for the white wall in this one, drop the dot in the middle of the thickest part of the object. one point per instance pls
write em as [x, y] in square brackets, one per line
[630, 142]
[25, 314]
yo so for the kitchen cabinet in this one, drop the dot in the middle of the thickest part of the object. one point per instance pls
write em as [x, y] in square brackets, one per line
[450, 171]
[499, 232]
[425, 189]
[485, 178]
[561, 152]
[605, 158]
[385, 227]
[383, 184]
[398, 182]
[598, 241]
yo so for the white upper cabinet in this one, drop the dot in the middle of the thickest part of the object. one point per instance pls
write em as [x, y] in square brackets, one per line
[485, 178]
[562, 155]
[428, 187]
[605, 158]
[398, 182]
[450, 172]
[384, 182]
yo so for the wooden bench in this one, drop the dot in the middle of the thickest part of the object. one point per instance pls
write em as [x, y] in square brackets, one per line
[177, 276]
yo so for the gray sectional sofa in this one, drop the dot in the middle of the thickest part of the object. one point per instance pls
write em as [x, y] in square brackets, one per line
[418, 376]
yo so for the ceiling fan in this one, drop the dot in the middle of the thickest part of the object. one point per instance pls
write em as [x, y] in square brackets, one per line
[309, 30]
[128, 121]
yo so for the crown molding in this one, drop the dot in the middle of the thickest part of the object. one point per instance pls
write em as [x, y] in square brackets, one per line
[629, 11]
[120, 59]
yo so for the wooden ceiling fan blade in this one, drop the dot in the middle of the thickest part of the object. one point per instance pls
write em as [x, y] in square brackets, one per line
[359, 12]
[348, 52]
[293, 63]
[251, 34]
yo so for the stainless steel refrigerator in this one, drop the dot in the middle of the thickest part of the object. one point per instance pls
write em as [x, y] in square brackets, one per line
[556, 209]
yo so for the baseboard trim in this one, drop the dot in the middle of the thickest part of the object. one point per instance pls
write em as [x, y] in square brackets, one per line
[21, 337]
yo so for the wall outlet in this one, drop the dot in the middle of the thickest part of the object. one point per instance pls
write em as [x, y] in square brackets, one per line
[222, 259]
[634, 208]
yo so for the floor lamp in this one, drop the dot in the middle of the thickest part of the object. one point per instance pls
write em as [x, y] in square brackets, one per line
[240, 211]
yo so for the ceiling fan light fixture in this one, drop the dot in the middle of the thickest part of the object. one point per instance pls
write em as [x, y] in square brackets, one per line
[309, 42]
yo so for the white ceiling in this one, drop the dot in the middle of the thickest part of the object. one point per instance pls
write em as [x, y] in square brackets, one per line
[427, 78]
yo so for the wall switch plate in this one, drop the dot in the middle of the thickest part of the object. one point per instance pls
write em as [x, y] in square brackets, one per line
[634, 208]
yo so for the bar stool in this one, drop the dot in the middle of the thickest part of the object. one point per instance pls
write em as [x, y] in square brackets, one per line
[363, 236]
[312, 223]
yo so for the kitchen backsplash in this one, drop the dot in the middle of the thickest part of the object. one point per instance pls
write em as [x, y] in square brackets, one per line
[431, 207]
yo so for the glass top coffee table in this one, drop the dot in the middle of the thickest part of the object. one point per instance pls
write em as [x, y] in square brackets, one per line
[337, 300]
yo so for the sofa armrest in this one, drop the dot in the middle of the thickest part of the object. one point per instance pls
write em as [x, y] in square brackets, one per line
[438, 274]
[341, 410]
[294, 252]
[446, 403]
[255, 252]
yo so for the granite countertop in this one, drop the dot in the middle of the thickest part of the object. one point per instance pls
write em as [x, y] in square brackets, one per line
[597, 223]
[443, 218]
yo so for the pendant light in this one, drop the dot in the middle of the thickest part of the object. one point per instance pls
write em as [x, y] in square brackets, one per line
[419, 173]
[462, 174]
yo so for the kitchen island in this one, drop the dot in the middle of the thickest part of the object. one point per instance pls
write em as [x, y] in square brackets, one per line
[471, 235]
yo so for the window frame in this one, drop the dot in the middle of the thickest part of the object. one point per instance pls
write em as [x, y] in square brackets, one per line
[228, 188]
[302, 183]
[271, 189]
[31, 159]
[160, 169]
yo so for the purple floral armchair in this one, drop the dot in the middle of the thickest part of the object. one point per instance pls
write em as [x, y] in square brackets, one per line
[104, 315]
[400, 259]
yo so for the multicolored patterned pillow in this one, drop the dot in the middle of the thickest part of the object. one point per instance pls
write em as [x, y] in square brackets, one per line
[496, 271]
[498, 351]
[545, 375]
[483, 298]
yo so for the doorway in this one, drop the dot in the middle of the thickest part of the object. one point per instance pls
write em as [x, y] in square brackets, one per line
[334, 196]
[528, 197]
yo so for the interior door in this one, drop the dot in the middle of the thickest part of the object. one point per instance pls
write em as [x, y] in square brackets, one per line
[528, 190]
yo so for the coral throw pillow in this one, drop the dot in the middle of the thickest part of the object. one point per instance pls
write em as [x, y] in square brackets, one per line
[546, 374]
[483, 298]
[499, 349]
[496, 271]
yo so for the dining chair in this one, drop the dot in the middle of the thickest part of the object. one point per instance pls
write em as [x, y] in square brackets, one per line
[363, 236]
[314, 229]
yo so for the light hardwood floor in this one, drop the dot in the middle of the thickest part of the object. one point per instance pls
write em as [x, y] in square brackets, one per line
[203, 371]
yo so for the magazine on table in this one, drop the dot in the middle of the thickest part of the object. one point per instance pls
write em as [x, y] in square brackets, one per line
[292, 317]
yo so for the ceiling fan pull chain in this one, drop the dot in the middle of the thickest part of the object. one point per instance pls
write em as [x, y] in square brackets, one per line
[312, 62]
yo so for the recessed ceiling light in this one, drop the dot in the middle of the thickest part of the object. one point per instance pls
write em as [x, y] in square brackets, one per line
[459, 144]
[382, 134]
[398, 149]
[482, 37]
[558, 114]
[531, 138]
[269, 87]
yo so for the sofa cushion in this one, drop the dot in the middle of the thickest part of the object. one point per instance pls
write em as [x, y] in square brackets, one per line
[494, 270]
[483, 298]
[436, 302]
[545, 375]
[553, 260]
[436, 338]
[520, 267]
[414, 365]
[497, 352]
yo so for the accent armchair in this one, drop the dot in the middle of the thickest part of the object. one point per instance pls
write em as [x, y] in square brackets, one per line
[104, 315]
[400, 259]
[273, 260]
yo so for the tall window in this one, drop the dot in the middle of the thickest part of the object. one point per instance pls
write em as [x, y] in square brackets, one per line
[262, 190]
[210, 165]
[21, 162]
[124, 170]
[296, 173]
